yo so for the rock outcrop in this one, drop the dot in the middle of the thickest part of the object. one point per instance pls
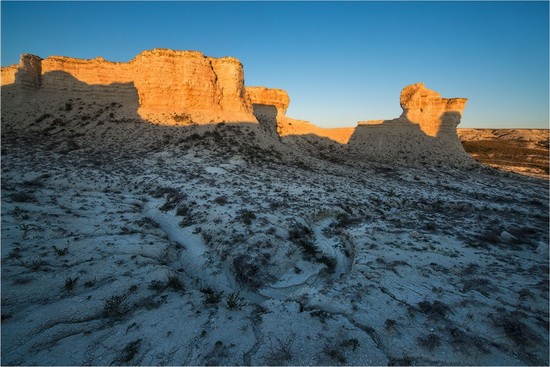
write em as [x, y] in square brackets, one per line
[434, 115]
[424, 133]
[185, 87]
[163, 83]
[270, 106]
[269, 97]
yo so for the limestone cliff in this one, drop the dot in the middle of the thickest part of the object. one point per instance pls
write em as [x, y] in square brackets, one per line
[433, 114]
[424, 133]
[163, 83]
[184, 87]
[269, 97]
[269, 106]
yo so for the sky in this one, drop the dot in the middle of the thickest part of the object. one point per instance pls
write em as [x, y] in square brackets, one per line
[340, 62]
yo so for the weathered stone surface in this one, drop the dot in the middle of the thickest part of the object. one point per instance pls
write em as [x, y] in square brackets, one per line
[434, 115]
[424, 133]
[166, 83]
[181, 87]
[270, 97]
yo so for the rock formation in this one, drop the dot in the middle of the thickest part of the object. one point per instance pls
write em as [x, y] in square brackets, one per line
[162, 82]
[425, 132]
[269, 106]
[269, 97]
[183, 87]
[434, 115]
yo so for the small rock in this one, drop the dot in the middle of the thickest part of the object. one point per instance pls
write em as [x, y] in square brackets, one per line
[414, 234]
[506, 236]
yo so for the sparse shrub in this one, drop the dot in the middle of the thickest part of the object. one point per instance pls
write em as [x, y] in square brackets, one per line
[43, 117]
[435, 310]
[15, 253]
[298, 232]
[481, 285]
[336, 355]
[182, 210]
[90, 283]
[173, 197]
[431, 226]
[390, 324]
[525, 294]
[352, 343]
[330, 262]
[247, 216]
[70, 283]
[149, 303]
[430, 341]
[60, 251]
[471, 269]
[234, 301]
[280, 352]
[465, 342]
[129, 352]
[247, 271]
[211, 297]
[490, 236]
[68, 107]
[133, 288]
[37, 181]
[404, 361]
[25, 228]
[35, 264]
[175, 283]
[165, 256]
[22, 197]
[517, 330]
[115, 305]
[308, 247]
[157, 285]
[221, 200]
[344, 220]
[322, 315]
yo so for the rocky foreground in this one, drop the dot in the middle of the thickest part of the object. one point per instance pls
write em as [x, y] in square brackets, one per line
[199, 247]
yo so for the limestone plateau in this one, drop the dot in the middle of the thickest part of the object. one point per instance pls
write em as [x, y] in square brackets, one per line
[170, 87]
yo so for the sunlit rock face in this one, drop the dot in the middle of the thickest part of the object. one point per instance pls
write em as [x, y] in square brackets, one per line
[269, 106]
[432, 113]
[424, 133]
[269, 97]
[160, 82]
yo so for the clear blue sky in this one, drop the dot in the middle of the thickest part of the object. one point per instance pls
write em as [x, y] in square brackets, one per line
[340, 62]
